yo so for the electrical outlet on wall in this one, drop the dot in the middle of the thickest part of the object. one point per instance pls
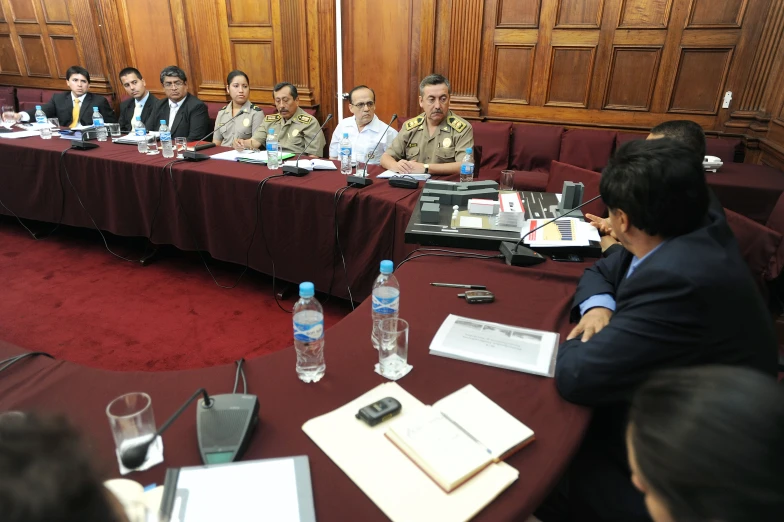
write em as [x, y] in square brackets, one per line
[727, 99]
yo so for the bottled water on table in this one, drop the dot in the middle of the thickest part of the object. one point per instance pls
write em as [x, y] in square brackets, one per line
[345, 155]
[140, 130]
[386, 299]
[40, 117]
[309, 335]
[467, 167]
[166, 141]
[100, 126]
[273, 158]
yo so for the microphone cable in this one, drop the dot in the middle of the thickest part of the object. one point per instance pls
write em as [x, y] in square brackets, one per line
[337, 197]
[440, 252]
[240, 370]
[264, 237]
[6, 363]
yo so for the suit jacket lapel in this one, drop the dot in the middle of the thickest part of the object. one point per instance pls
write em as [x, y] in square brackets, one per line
[179, 115]
[85, 106]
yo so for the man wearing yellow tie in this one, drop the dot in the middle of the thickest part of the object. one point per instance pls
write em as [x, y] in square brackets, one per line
[75, 107]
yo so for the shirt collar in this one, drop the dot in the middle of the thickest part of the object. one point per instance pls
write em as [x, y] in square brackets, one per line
[372, 126]
[636, 261]
[80, 98]
[178, 104]
[143, 100]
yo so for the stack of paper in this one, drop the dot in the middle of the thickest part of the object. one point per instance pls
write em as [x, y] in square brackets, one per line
[566, 232]
[133, 139]
[313, 164]
[392, 174]
[511, 212]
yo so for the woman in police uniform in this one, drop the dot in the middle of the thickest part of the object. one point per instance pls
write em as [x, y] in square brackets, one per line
[242, 127]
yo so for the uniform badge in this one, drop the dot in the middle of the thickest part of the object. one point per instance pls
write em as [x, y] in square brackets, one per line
[295, 132]
[412, 145]
[304, 118]
[414, 122]
[456, 124]
[246, 122]
[447, 142]
[272, 117]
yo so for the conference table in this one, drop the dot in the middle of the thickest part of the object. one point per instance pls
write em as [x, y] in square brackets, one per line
[750, 190]
[538, 297]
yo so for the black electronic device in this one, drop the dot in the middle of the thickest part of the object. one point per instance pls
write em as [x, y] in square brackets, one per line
[83, 145]
[192, 155]
[401, 182]
[379, 411]
[364, 181]
[225, 427]
[567, 258]
[296, 170]
[477, 296]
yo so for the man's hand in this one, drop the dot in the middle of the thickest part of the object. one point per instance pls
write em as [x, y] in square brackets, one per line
[409, 167]
[593, 321]
[607, 242]
[601, 224]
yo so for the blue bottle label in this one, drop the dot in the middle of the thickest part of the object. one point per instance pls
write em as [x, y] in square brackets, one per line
[386, 305]
[308, 332]
[272, 147]
[467, 168]
[345, 151]
[141, 132]
[165, 136]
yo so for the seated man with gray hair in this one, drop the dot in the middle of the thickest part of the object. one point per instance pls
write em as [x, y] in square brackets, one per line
[184, 114]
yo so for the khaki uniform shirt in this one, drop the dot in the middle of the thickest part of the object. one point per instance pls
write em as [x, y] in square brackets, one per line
[447, 145]
[242, 127]
[293, 135]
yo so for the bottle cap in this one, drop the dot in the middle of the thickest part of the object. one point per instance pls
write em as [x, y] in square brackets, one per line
[387, 267]
[95, 109]
[38, 107]
[469, 150]
[271, 132]
[345, 134]
[163, 122]
[306, 289]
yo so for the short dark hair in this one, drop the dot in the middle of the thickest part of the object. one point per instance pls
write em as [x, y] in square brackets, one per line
[292, 88]
[708, 441]
[173, 70]
[684, 131]
[659, 184]
[77, 69]
[130, 70]
[46, 474]
[355, 89]
[434, 79]
[233, 74]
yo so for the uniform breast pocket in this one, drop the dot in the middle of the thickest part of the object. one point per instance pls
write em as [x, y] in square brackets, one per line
[412, 152]
[243, 131]
[445, 154]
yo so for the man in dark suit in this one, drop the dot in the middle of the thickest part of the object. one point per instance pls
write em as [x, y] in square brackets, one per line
[74, 107]
[141, 101]
[678, 294]
[185, 114]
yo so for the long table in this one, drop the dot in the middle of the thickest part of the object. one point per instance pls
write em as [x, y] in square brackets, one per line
[538, 298]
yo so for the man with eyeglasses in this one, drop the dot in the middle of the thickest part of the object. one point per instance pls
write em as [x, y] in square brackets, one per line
[364, 129]
[185, 114]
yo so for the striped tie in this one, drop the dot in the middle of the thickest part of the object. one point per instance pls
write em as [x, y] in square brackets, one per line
[75, 114]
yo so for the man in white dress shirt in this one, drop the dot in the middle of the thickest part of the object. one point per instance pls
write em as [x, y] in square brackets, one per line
[364, 129]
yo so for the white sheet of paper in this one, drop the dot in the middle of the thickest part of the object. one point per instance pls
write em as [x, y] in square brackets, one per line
[20, 134]
[393, 174]
[471, 222]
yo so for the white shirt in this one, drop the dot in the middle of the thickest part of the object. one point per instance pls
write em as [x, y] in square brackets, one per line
[26, 117]
[362, 141]
[173, 108]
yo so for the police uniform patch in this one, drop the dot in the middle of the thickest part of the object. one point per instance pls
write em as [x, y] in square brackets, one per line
[246, 122]
[414, 123]
[224, 107]
[295, 132]
[412, 145]
[253, 107]
[447, 142]
[456, 124]
[272, 117]
[304, 118]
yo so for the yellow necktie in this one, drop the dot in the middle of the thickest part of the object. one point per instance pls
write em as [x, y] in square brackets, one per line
[75, 114]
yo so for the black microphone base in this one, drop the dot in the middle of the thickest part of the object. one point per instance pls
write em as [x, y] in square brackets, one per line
[83, 145]
[291, 170]
[190, 155]
[358, 181]
[520, 255]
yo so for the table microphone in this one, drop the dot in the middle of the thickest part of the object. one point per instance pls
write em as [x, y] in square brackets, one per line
[364, 181]
[192, 155]
[135, 456]
[296, 170]
[517, 255]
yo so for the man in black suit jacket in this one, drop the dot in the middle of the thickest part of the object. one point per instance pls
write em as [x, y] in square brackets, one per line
[190, 118]
[141, 101]
[61, 105]
[679, 294]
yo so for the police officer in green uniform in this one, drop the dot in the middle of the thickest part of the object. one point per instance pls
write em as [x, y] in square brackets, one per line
[435, 141]
[243, 125]
[294, 127]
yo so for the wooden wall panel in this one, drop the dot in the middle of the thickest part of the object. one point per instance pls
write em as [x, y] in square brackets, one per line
[713, 13]
[255, 58]
[65, 53]
[514, 70]
[8, 63]
[34, 55]
[513, 13]
[640, 14]
[579, 13]
[632, 78]
[56, 12]
[22, 11]
[240, 12]
[569, 81]
[699, 82]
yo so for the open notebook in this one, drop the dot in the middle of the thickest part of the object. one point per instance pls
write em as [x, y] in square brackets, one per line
[459, 436]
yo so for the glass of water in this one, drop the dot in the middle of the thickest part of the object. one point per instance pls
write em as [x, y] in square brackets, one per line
[180, 145]
[131, 419]
[393, 347]
[361, 164]
[8, 114]
[46, 132]
[114, 130]
[55, 123]
[152, 145]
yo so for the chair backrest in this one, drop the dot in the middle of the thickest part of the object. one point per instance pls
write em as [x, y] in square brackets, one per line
[760, 246]
[493, 138]
[625, 137]
[8, 96]
[560, 172]
[587, 148]
[534, 146]
[724, 148]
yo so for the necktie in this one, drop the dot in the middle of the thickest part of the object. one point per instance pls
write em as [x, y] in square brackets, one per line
[75, 114]
[136, 112]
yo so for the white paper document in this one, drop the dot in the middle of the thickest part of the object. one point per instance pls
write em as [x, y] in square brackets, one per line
[314, 164]
[494, 344]
[564, 232]
[393, 174]
[19, 134]
[133, 139]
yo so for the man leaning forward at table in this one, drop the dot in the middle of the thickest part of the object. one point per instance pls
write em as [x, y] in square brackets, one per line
[293, 127]
[434, 142]
[678, 295]
[184, 114]
[76, 106]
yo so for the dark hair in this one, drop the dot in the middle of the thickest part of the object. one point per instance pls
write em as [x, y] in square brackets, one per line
[434, 79]
[355, 89]
[76, 69]
[291, 87]
[46, 475]
[130, 70]
[233, 74]
[710, 442]
[173, 70]
[684, 131]
[659, 184]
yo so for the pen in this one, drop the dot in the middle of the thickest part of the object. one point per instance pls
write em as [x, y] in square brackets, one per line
[452, 285]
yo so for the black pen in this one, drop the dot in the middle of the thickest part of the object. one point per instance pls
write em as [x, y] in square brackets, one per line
[452, 285]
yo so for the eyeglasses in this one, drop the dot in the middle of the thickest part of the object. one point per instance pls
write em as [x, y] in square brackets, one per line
[169, 85]
[362, 105]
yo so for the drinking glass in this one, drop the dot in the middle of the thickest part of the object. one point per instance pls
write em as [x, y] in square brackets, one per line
[114, 129]
[507, 180]
[55, 123]
[131, 419]
[361, 164]
[180, 145]
[393, 347]
[8, 114]
[152, 145]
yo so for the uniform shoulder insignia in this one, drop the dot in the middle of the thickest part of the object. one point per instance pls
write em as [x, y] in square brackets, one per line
[253, 107]
[457, 124]
[272, 117]
[224, 107]
[304, 118]
[413, 123]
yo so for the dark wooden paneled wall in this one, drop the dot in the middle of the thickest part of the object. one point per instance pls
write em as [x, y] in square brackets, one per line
[613, 63]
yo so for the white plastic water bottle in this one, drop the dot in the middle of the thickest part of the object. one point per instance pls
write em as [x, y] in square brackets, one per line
[467, 167]
[166, 141]
[273, 157]
[345, 155]
[140, 130]
[100, 126]
[40, 116]
[386, 299]
[309, 335]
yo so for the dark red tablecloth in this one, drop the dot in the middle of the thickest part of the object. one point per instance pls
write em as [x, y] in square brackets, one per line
[533, 298]
[750, 190]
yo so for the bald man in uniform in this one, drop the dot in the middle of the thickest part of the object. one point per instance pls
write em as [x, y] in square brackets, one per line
[293, 127]
[434, 142]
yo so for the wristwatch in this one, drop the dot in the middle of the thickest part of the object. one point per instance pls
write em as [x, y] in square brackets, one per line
[427, 168]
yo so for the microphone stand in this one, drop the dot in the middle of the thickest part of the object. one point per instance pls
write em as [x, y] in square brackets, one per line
[192, 155]
[296, 170]
[364, 180]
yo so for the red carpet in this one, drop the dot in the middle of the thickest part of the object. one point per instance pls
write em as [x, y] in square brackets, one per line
[68, 296]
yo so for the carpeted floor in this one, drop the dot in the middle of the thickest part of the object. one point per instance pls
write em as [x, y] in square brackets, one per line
[68, 296]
